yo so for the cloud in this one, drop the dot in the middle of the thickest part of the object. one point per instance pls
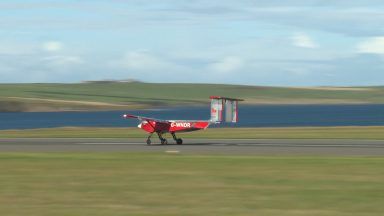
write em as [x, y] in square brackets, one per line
[37, 68]
[33, 61]
[52, 46]
[303, 40]
[240, 41]
[356, 18]
[374, 45]
[227, 64]
[61, 60]
[143, 60]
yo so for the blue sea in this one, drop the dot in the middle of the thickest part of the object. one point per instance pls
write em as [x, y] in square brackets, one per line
[249, 116]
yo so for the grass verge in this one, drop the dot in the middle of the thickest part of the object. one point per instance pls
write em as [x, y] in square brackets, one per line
[212, 133]
[158, 184]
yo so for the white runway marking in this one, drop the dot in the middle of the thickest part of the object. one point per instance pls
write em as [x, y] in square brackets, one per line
[172, 151]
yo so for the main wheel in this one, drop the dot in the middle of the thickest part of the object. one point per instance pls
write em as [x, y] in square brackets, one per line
[149, 142]
[179, 141]
[164, 142]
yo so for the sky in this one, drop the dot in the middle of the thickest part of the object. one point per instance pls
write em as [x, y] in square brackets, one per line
[249, 42]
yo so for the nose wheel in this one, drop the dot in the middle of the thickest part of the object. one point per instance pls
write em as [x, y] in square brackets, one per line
[149, 139]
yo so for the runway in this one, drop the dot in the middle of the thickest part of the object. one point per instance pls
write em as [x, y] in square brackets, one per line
[200, 146]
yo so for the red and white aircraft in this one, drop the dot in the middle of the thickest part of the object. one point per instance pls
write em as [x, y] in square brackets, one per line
[220, 107]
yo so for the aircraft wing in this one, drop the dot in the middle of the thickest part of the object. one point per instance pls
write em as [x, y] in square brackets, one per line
[143, 118]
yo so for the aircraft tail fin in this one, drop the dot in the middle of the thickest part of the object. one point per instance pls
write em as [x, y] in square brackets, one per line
[224, 109]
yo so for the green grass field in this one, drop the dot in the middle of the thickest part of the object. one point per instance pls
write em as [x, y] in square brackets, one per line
[112, 96]
[366, 132]
[60, 184]
[189, 184]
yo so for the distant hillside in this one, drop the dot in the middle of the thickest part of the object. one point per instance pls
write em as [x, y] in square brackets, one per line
[126, 95]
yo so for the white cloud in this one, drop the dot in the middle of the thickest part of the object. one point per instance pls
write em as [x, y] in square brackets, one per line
[303, 40]
[59, 60]
[227, 64]
[52, 46]
[141, 60]
[373, 45]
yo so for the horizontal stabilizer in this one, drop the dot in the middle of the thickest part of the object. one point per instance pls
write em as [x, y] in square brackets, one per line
[225, 98]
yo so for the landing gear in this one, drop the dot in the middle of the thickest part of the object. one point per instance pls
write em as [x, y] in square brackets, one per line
[179, 141]
[149, 139]
[162, 140]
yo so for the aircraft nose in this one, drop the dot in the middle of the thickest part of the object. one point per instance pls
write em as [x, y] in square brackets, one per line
[139, 126]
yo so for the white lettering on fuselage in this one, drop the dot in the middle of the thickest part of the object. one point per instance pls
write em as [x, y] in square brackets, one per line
[181, 124]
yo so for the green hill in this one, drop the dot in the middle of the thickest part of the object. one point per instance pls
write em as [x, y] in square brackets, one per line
[120, 95]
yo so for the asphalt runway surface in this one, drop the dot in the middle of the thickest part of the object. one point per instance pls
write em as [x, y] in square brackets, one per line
[200, 146]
